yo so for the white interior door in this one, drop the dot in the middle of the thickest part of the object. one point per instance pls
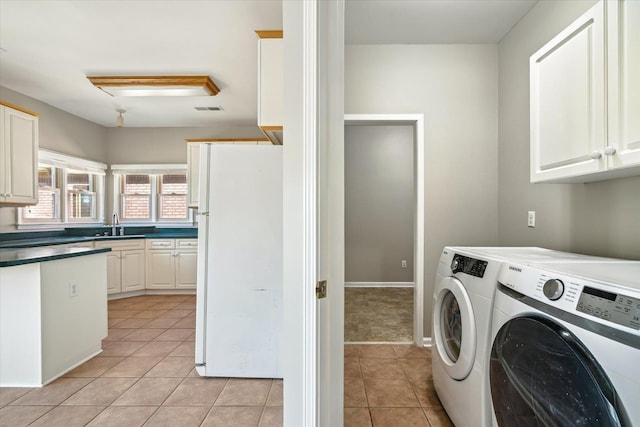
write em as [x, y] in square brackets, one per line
[244, 264]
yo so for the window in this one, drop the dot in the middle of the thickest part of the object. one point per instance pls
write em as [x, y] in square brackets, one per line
[136, 197]
[48, 207]
[70, 190]
[151, 193]
[173, 197]
[81, 197]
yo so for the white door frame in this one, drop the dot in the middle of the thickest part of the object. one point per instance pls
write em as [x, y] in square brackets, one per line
[417, 121]
[313, 134]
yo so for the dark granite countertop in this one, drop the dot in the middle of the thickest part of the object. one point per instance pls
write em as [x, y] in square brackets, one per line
[13, 257]
[75, 235]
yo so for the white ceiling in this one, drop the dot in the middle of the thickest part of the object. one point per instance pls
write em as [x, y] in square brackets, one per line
[49, 47]
[431, 21]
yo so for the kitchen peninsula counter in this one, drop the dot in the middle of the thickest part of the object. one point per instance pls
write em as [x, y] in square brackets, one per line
[53, 312]
[13, 257]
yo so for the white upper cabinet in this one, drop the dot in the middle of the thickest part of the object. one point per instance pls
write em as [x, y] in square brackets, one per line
[583, 96]
[193, 174]
[270, 84]
[623, 20]
[18, 156]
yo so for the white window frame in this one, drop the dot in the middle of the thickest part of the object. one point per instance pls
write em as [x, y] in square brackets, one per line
[154, 171]
[65, 163]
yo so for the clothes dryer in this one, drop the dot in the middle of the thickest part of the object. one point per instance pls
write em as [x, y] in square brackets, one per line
[465, 286]
[566, 345]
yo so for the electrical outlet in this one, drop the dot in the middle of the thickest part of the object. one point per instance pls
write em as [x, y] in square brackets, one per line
[73, 289]
[404, 263]
[531, 219]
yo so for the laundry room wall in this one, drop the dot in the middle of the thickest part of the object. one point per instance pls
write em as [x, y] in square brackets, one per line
[600, 218]
[379, 203]
[456, 88]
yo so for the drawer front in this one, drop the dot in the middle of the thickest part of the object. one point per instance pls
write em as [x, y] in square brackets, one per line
[161, 244]
[186, 243]
[119, 245]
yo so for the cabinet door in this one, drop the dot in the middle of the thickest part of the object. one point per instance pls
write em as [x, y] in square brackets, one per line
[113, 272]
[132, 264]
[193, 173]
[568, 101]
[186, 268]
[270, 88]
[160, 269]
[623, 35]
[19, 158]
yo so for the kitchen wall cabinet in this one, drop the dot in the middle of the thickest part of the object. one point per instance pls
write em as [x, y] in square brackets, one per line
[125, 265]
[270, 84]
[171, 263]
[193, 174]
[18, 156]
[585, 86]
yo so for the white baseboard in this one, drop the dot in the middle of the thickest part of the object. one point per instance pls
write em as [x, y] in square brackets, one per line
[151, 292]
[427, 342]
[378, 342]
[379, 284]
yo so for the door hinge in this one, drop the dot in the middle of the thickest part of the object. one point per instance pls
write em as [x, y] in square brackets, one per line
[321, 289]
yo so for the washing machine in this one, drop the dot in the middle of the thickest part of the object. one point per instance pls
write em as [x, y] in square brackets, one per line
[465, 286]
[566, 345]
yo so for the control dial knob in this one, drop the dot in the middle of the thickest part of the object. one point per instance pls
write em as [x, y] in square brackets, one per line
[553, 289]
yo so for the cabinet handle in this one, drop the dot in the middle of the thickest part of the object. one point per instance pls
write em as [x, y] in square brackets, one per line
[596, 155]
[610, 151]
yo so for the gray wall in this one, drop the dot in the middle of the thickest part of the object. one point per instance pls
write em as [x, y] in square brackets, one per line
[379, 203]
[61, 131]
[456, 88]
[165, 145]
[600, 218]
[68, 134]
[58, 131]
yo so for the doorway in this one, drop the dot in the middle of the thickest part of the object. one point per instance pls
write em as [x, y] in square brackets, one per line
[384, 228]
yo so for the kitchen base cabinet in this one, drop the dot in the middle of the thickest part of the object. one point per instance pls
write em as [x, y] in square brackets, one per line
[186, 268]
[53, 317]
[171, 264]
[125, 265]
[160, 269]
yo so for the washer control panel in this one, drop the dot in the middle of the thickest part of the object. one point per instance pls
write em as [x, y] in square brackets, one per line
[470, 266]
[616, 308]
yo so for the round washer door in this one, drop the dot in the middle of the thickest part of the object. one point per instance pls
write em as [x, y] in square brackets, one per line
[454, 327]
[542, 375]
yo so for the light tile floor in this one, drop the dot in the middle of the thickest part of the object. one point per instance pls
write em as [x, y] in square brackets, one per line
[145, 376]
[390, 386]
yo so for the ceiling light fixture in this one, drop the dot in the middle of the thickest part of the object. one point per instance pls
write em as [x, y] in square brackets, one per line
[120, 119]
[155, 85]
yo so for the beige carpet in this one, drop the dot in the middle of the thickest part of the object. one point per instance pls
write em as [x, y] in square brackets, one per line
[378, 314]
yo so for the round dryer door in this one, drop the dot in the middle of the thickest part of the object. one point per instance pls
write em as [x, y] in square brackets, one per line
[542, 375]
[454, 328]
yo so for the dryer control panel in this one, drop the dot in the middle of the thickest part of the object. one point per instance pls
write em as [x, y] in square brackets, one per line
[470, 266]
[617, 308]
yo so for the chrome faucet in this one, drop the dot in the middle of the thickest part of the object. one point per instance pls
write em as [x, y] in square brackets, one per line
[115, 221]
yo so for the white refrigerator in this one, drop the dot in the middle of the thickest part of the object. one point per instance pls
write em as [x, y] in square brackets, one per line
[239, 291]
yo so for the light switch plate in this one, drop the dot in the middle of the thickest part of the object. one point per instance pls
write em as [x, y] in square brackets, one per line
[531, 219]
